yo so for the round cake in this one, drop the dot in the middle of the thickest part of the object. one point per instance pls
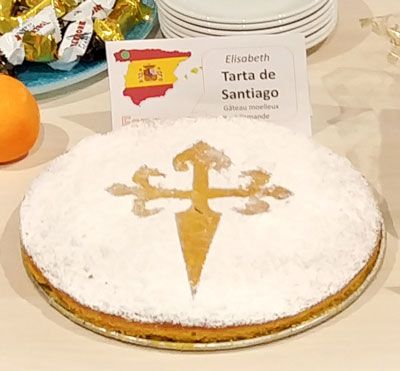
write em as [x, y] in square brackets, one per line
[199, 230]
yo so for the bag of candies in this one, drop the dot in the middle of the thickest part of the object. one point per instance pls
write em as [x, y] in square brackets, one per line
[63, 32]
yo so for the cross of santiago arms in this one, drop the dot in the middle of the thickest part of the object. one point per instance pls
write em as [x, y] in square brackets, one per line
[198, 224]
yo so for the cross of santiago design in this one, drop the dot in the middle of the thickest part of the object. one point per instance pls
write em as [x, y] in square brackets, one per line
[198, 224]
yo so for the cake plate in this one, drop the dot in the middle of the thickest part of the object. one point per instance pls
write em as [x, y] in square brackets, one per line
[227, 345]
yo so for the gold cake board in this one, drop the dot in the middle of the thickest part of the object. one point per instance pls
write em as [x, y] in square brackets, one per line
[169, 345]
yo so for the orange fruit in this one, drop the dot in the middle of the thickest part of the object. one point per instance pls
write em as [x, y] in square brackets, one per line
[19, 119]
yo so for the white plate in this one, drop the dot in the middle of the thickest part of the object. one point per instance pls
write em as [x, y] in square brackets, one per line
[185, 32]
[239, 11]
[321, 35]
[303, 27]
[301, 18]
[168, 34]
[312, 40]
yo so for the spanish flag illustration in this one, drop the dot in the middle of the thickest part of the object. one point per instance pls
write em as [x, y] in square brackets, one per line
[151, 72]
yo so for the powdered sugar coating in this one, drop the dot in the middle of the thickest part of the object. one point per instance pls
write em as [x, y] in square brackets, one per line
[89, 244]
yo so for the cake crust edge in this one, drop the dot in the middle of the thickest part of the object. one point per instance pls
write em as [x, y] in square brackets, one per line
[195, 334]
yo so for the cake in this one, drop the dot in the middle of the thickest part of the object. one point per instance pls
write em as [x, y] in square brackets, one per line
[203, 230]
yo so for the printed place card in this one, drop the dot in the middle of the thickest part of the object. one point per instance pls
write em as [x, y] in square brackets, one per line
[263, 77]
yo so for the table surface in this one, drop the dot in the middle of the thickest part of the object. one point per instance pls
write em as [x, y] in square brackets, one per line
[355, 95]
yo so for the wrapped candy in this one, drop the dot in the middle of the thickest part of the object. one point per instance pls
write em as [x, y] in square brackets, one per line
[120, 21]
[44, 23]
[78, 34]
[94, 9]
[12, 49]
[74, 44]
[61, 8]
[39, 48]
[387, 26]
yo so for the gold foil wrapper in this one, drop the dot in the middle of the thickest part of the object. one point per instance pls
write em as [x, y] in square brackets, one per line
[7, 24]
[39, 48]
[388, 27]
[125, 15]
[6, 7]
[32, 3]
[61, 8]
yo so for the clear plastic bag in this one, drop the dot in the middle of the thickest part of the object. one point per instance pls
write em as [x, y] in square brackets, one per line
[387, 26]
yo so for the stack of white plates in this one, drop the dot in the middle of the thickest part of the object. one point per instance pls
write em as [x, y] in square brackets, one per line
[315, 19]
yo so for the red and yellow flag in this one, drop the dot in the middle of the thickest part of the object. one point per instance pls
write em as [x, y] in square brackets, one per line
[151, 72]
